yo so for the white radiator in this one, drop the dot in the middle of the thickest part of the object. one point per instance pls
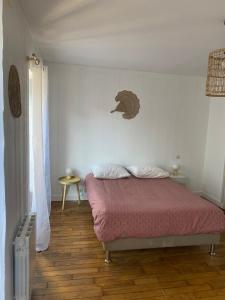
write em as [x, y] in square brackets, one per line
[24, 258]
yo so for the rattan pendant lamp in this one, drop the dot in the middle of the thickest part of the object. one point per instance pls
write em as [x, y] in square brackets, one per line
[215, 84]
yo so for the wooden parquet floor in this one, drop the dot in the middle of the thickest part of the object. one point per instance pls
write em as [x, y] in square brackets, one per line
[73, 267]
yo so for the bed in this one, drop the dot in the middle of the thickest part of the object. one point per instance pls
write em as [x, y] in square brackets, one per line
[132, 213]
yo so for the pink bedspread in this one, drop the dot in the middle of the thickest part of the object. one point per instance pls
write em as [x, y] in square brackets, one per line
[141, 208]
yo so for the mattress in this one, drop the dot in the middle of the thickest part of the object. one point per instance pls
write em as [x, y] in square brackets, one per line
[141, 208]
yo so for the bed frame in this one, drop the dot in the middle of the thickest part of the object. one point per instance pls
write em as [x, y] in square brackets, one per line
[160, 242]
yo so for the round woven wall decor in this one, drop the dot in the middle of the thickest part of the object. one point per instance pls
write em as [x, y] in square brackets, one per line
[14, 92]
[128, 104]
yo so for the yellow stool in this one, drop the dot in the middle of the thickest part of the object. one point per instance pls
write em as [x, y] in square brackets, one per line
[67, 181]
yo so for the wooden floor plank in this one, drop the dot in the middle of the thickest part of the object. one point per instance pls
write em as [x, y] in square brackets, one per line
[73, 267]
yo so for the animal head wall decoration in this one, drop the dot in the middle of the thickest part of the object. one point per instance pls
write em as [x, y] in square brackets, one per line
[129, 104]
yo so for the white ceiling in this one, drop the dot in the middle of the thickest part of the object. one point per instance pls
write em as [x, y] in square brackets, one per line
[171, 36]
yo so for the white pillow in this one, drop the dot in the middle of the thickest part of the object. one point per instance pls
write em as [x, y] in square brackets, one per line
[147, 172]
[109, 171]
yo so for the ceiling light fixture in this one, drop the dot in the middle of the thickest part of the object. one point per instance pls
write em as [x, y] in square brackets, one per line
[215, 84]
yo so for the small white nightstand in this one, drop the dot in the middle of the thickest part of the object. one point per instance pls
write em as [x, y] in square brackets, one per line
[181, 179]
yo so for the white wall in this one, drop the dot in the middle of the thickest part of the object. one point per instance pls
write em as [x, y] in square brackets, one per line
[215, 152]
[172, 120]
[17, 45]
[2, 173]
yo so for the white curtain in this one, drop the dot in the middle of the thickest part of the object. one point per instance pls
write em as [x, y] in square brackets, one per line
[45, 115]
[40, 188]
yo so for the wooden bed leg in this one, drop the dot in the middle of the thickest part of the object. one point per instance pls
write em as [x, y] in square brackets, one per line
[107, 257]
[212, 251]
